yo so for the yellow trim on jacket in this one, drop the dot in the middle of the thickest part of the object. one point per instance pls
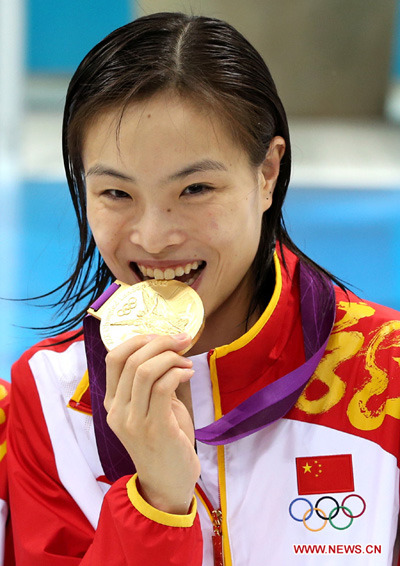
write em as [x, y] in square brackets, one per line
[167, 519]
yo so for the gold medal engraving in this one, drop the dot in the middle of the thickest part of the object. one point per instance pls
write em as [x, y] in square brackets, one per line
[150, 307]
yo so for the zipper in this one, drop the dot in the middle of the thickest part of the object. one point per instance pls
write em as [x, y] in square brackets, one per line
[216, 519]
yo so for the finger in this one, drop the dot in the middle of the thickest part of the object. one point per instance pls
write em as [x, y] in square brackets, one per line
[166, 341]
[147, 375]
[115, 362]
[163, 390]
[124, 360]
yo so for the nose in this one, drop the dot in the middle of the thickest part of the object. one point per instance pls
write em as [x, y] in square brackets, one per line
[156, 229]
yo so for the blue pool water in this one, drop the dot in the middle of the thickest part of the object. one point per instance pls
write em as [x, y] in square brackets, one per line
[353, 233]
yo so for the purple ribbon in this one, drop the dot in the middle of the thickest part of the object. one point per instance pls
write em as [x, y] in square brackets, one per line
[261, 409]
[274, 400]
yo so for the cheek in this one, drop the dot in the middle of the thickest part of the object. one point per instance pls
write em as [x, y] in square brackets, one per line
[102, 224]
[232, 223]
[213, 225]
[93, 219]
[207, 226]
[104, 236]
[223, 231]
[218, 232]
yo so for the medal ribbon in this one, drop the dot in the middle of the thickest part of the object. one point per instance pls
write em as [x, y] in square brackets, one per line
[261, 409]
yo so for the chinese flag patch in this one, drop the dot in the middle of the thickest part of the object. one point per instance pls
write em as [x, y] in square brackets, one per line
[325, 474]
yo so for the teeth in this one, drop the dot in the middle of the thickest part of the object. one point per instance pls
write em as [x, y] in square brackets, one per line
[170, 273]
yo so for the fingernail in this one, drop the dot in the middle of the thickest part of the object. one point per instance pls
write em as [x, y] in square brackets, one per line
[187, 373]
[151, 337]
[181, 337]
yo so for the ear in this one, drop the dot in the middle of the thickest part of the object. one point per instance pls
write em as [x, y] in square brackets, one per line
[269, 170]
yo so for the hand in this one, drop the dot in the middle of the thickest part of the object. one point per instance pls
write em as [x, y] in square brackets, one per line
[155, 427]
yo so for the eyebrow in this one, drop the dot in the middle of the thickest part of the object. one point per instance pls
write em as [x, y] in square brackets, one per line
[101, 170]
[199, 166]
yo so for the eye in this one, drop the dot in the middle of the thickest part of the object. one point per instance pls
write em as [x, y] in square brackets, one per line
[116, 194]
[197, 189]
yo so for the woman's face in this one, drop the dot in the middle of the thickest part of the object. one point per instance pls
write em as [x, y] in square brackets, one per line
[170, 195]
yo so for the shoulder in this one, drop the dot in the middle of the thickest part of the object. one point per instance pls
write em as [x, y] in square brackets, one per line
[56, 362]
[58, 343]
[367, 315]
[367, 337]
[356, 387]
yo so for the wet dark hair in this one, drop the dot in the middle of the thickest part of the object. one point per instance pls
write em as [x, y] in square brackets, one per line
[204, 60]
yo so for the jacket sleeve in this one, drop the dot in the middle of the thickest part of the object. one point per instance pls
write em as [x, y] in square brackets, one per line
[50, 529]
[6, 547]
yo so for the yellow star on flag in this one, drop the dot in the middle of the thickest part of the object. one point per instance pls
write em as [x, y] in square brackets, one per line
[307, 468]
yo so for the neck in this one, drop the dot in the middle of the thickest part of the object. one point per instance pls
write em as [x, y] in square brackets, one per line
[228, 322]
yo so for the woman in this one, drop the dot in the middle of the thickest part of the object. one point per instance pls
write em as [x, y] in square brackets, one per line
[275, 425]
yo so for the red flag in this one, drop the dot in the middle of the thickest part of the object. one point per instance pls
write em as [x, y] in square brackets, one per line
[324, 474]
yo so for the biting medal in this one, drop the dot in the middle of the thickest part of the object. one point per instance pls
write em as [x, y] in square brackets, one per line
[149, 307]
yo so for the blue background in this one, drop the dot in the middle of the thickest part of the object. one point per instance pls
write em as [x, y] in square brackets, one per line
[76, 25]
[59, 34]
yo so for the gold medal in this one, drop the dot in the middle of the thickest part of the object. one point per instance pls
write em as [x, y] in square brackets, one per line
[150, 307]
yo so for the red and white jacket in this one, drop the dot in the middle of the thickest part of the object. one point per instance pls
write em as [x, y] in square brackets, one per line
[323, 480]
[6, 547]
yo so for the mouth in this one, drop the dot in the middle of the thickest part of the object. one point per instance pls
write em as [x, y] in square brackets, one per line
[185, 273]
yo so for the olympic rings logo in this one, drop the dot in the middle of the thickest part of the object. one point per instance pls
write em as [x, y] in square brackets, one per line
[327, 518]
[127, 307]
